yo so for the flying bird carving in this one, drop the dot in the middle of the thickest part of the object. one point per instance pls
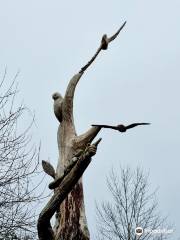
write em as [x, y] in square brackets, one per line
[120, 127]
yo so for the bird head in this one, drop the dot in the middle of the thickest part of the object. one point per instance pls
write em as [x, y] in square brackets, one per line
[56, 95]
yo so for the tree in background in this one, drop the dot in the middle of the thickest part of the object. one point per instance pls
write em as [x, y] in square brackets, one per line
[19, 162]
[132, 205]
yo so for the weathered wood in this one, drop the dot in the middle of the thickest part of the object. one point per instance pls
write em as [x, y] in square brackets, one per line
[72, 210]
[45, 231]
[48, 168]
[68, 200]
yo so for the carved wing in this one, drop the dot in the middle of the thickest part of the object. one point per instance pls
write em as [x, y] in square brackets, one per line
[117, 33]
[48, 168]
[105, 126]
[135, 125]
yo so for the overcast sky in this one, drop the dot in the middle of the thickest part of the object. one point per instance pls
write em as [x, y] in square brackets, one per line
[137, 79]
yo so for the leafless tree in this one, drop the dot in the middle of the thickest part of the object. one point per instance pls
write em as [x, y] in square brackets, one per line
[132, 205]
[18, 161]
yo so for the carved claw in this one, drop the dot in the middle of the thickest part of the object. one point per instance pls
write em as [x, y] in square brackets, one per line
[91, 149]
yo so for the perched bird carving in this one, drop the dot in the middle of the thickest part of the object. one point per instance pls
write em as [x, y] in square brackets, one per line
[58, 100]
[120, 127]
[105, 40]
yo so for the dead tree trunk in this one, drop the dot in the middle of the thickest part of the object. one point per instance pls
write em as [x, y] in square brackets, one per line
[71, 221]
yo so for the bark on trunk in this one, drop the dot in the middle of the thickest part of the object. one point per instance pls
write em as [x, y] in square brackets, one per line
[63, 188]
[72, 219]
[71, 222]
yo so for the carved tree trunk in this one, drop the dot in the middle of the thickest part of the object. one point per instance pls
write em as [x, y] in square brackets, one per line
[71, 220]
[71, 223]
[75, 154]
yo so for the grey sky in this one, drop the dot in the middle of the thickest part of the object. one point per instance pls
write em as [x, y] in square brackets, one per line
[137, 79]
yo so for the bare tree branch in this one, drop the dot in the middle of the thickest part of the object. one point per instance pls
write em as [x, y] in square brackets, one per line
[19, 162]
[132, 206]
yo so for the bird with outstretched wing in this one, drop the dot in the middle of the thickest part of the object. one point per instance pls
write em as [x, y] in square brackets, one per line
[120, 127]
[105, 40]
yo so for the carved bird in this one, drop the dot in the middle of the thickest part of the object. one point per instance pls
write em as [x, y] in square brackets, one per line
[105, 40]
[120, 127]
[58, 100]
